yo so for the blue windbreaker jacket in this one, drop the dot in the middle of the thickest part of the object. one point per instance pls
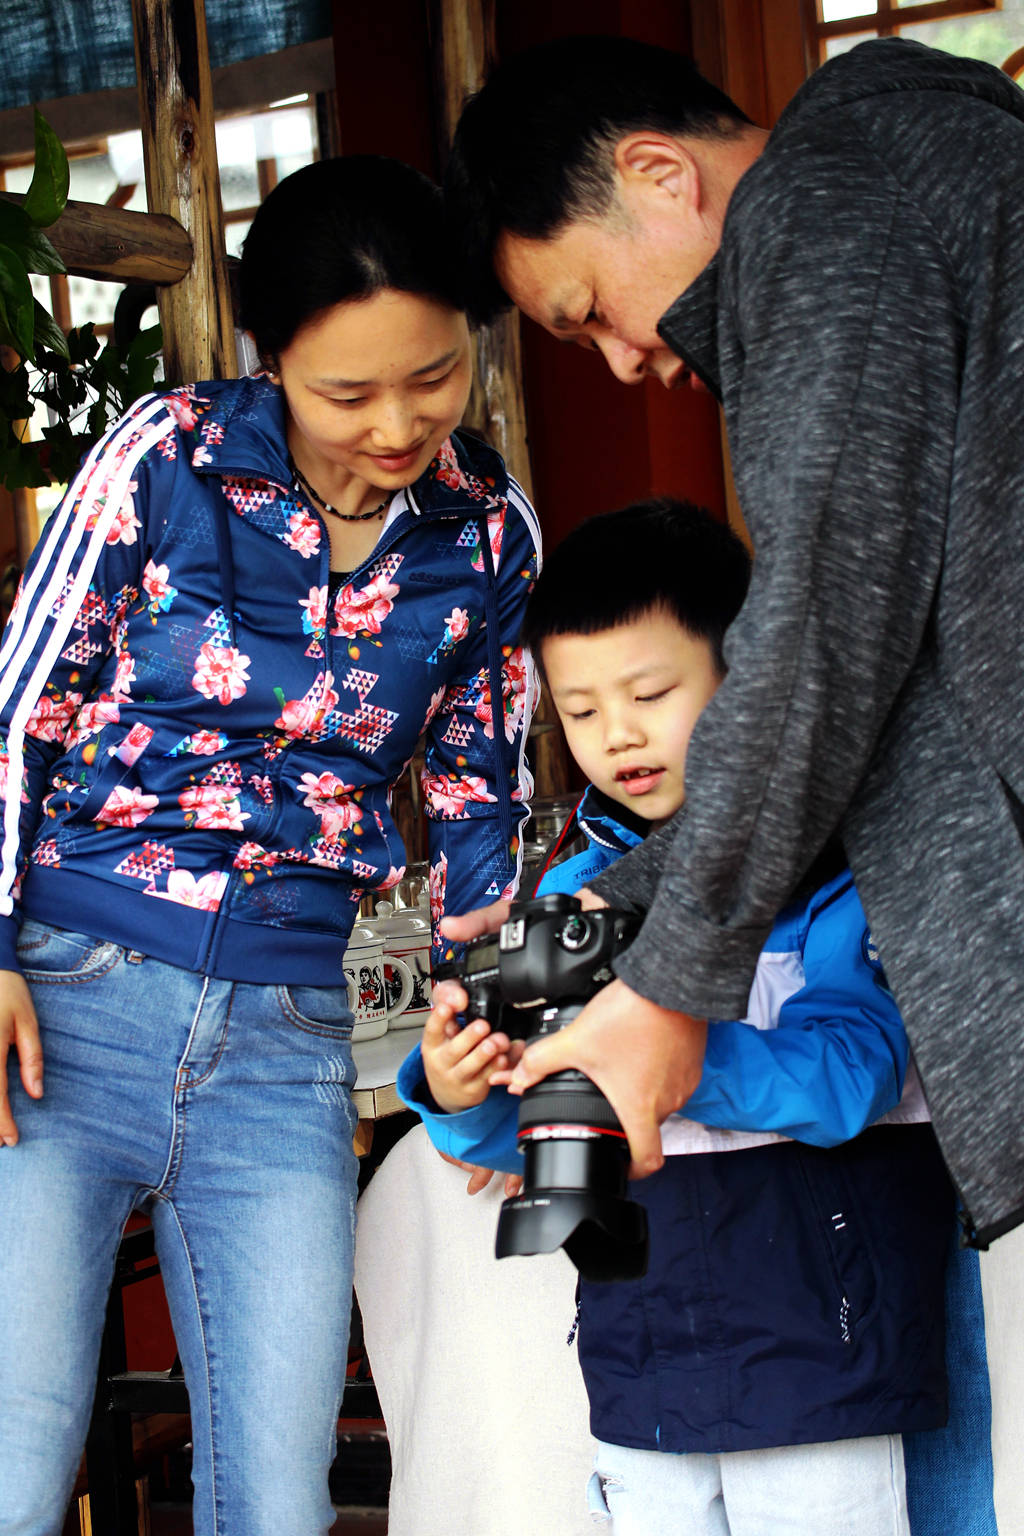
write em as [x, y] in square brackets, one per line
[198, 743]
[794, 1292]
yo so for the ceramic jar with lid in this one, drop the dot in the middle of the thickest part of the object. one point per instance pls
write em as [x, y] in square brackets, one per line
[405, 935]
[363, 965]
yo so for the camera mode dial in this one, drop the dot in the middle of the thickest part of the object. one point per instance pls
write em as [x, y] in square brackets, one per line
[574, 933]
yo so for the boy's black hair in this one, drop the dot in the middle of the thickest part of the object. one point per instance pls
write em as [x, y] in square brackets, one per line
[533, 150]
[618, 566]
[339, 230]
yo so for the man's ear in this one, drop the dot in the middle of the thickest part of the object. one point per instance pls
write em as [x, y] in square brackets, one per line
[659, 162]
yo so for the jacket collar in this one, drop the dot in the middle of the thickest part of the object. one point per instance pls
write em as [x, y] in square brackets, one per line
[689, 326]
[238, 431]
[606, 822]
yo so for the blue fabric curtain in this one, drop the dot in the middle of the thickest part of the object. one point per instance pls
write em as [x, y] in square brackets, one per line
[67, 47]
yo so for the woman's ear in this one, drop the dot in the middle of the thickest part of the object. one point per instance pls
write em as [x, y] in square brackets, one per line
[267, 363]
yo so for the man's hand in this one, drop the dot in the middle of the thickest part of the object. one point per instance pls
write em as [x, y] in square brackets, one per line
[18, 1028]
[645, 1059]
[473, 925]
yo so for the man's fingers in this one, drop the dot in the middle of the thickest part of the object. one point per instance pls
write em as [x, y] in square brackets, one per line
[589, 900]
[472, 925]
[645, 1150]
[541, 1059]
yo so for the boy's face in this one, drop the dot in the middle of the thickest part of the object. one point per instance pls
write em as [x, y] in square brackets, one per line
[628, 699]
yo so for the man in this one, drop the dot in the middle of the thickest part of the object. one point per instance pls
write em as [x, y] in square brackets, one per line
[852, 287]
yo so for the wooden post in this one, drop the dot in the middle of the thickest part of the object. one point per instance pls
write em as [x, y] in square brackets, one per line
[180, 154]
[464, 51]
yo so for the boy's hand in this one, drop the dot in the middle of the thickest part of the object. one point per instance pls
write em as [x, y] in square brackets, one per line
[645, 1059]
[479, 1178]
[459, 1063]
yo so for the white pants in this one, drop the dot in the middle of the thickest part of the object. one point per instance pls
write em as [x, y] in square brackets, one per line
[842, 1488]
[486, 1411]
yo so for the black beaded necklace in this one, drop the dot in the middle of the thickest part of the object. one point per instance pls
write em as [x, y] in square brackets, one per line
[346, 517]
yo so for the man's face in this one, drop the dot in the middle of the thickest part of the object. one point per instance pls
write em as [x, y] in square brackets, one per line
[605, 284]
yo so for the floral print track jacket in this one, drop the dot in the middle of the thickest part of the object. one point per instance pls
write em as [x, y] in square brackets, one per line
[199, 740]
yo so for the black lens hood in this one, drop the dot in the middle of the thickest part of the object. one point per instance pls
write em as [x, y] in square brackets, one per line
[605, 1236]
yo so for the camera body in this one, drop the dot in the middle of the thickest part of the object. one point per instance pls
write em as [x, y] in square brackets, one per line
[548, 959]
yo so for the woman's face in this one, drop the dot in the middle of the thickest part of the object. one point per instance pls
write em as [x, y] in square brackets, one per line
[374, 386]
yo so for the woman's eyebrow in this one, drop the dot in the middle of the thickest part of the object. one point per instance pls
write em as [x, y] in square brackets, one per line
[439, 362]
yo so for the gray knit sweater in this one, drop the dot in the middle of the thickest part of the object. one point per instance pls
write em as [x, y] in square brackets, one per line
[863, 323]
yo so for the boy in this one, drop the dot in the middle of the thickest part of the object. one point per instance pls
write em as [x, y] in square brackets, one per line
[757, 1380]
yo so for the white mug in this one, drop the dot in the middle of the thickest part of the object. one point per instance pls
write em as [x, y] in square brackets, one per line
[363, 965]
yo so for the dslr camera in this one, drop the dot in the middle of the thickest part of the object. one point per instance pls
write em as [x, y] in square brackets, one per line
[531, 979]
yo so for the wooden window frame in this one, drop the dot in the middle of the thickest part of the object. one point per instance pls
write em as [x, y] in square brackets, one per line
[884, 21]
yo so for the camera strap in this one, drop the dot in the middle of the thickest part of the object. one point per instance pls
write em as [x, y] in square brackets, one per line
[568, 832]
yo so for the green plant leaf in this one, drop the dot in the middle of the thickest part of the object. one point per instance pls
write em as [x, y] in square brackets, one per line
[48, 190]
[21, 465]
[40, 255]
[16, 303]
[83, 343]
[14, 397]
[49, 333]
[16, 228]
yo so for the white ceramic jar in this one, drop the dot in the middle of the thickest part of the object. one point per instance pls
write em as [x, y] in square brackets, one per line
[363, 965]
[405, 934]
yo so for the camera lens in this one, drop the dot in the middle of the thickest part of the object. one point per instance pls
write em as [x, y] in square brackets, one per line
[575, 1173]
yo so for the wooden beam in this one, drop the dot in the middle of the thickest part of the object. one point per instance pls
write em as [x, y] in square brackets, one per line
[464, 50]
[180, 155]
[243, 87]
[117, 246]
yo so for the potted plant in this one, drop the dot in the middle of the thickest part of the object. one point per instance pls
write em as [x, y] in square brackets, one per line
[83, 384]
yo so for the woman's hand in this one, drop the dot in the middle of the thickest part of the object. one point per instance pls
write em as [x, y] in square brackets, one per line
[18, 1027]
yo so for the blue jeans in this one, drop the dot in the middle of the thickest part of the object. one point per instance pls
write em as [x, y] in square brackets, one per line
[840, 1488]
[223, 1109]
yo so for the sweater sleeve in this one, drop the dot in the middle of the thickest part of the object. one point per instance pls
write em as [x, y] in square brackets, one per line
[837, 1058]
[472, 860]
[840, 351]
[60, 669]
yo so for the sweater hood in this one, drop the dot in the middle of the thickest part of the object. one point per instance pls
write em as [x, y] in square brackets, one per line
[888, 65]
[874, 71]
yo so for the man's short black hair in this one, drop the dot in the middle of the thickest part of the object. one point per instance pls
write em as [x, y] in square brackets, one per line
[616, 567]
[534, 148]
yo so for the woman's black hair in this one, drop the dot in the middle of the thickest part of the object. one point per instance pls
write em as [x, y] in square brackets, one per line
[338, 230]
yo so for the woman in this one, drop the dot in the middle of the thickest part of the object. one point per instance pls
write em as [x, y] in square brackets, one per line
[256, 596]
